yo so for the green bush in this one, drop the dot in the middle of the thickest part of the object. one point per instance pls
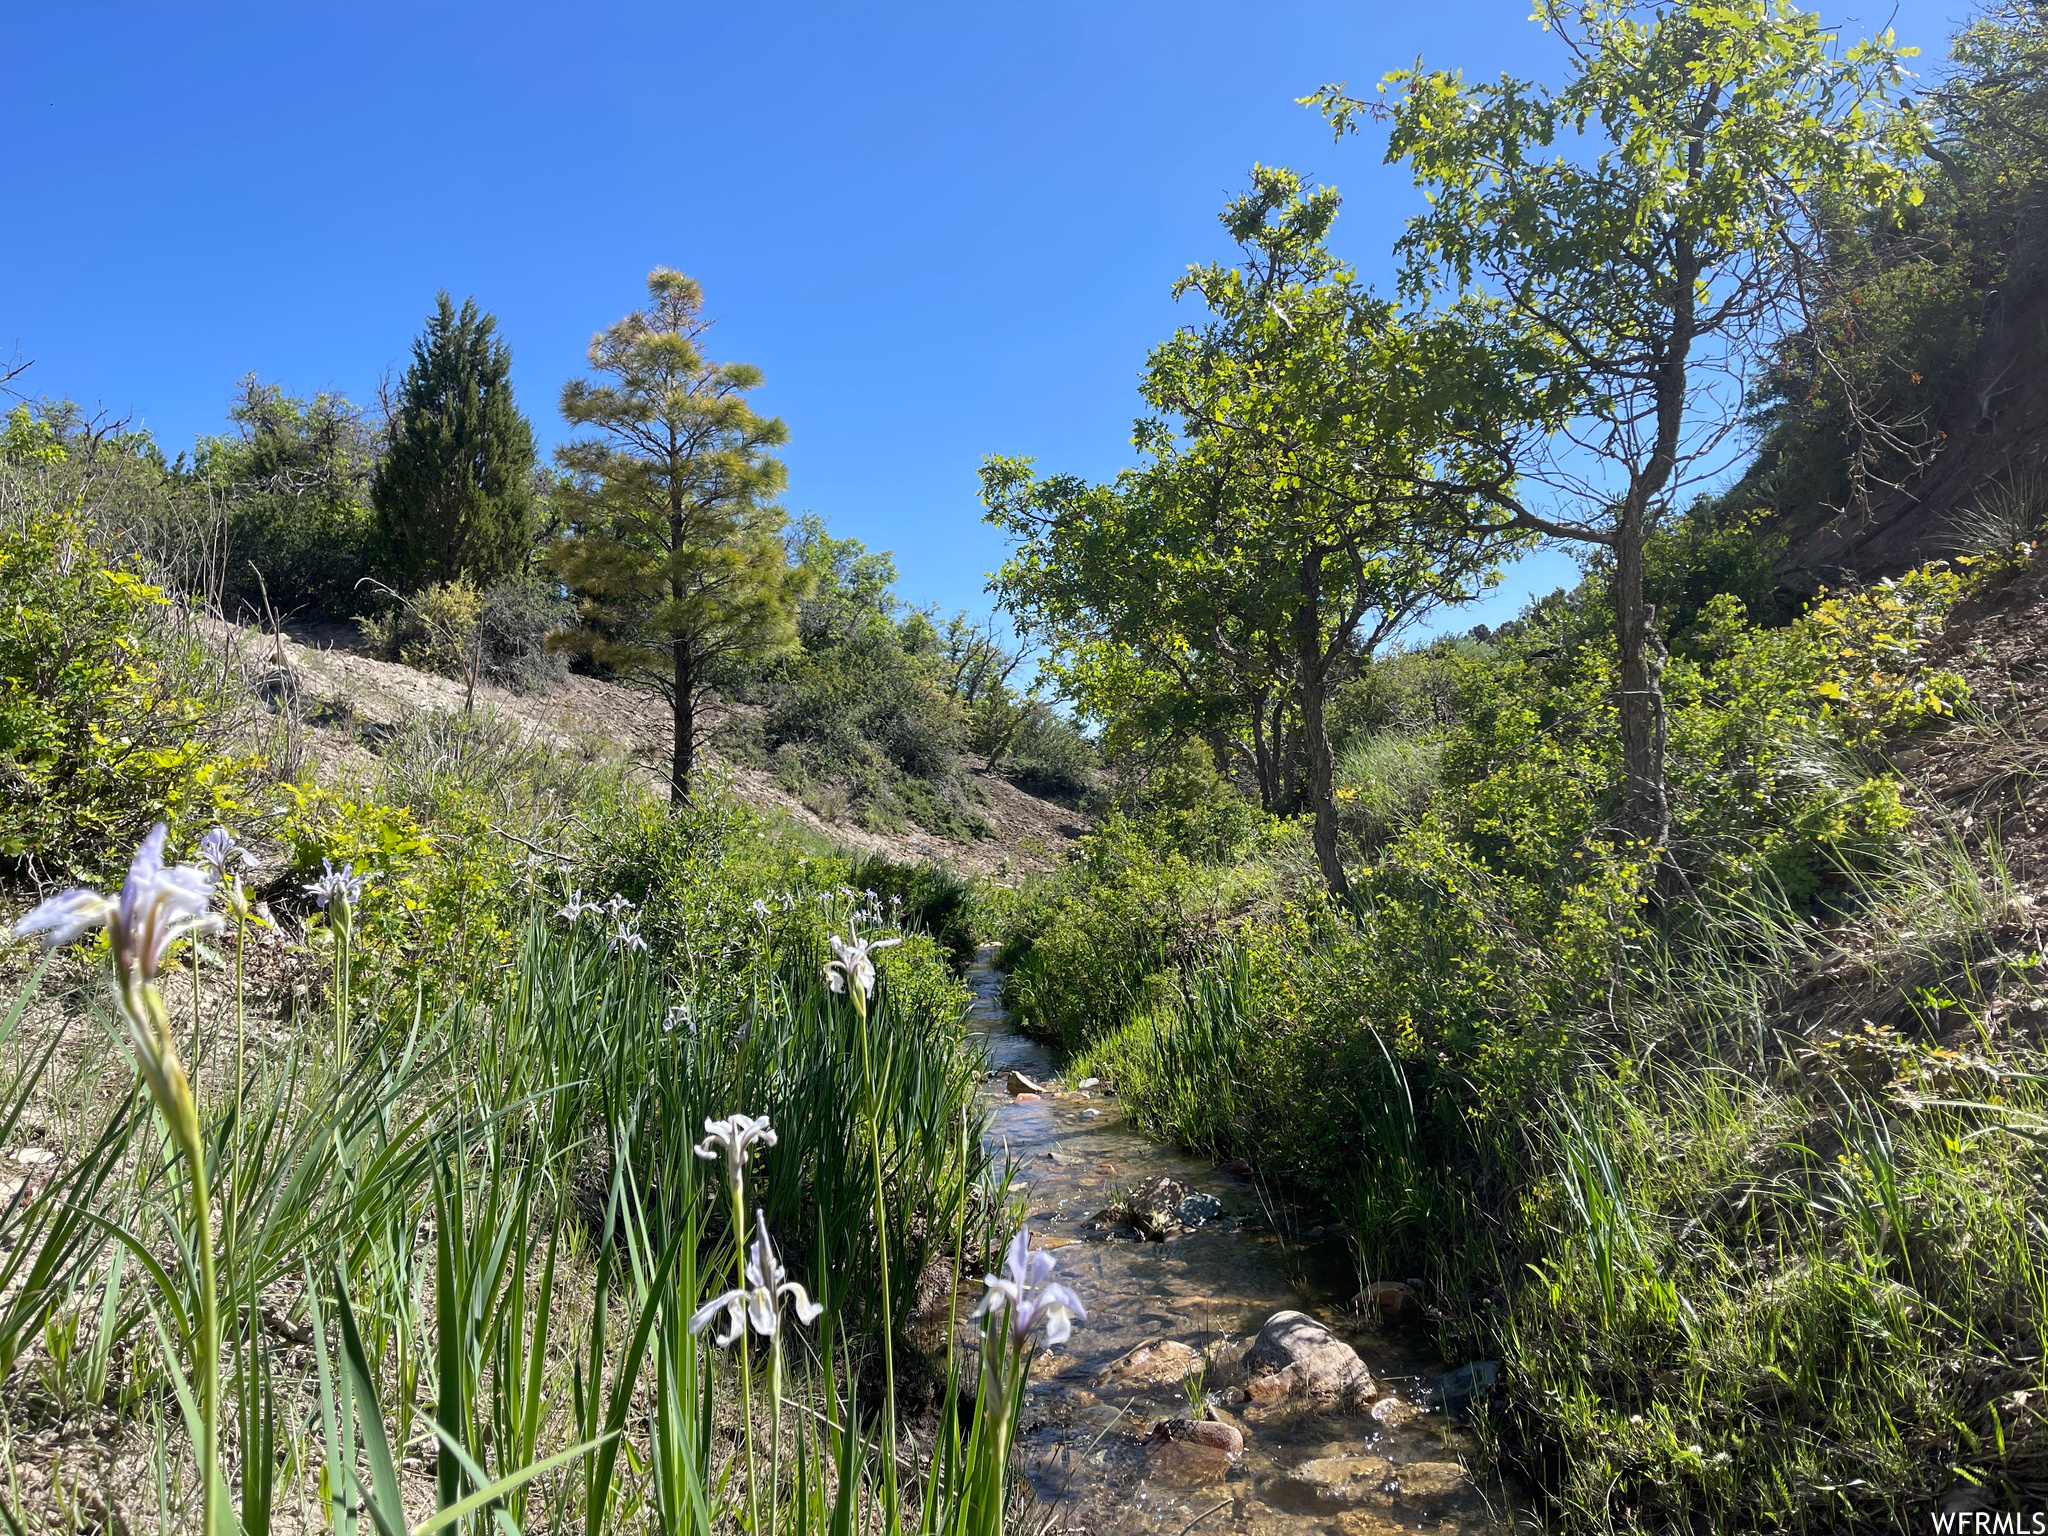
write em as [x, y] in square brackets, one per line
[515, 620]
[432, 630]
[1049, 757]
[293, 482]
[927, 897]
[112, 714]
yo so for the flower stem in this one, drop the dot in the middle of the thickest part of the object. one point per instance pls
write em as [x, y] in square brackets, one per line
[173, 1092]
[860, 1004]
[739, 1269]
[231, 1200]
[341, 980]
[206, 1351]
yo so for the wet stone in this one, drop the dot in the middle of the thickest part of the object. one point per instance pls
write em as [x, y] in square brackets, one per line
[1389, 1298]
[1185, 1463]
[1345, 1473]
[1155, 1363]
[1391, 1411]
[1296, 1354]
[1162, 1209]
[1433, 1488]
[1226, 1438]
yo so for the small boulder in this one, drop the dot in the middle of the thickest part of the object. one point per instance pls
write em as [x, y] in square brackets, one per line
[1017, 1082]
[1465, 1386]
[1198, 1208]
[1161, 1209]
[1226, 1438]
[1296, 1355]
[1389, 1298]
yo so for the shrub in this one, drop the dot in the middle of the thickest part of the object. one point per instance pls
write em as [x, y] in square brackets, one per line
[1049, 756]
[293, 481]
[928, 897]
[112, 715]
[515, 620]
[433, 630]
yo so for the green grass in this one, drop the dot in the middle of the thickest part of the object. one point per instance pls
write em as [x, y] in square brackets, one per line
[1738, 1274]
[494, 1223]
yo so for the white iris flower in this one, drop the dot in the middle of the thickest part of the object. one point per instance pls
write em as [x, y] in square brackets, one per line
[1030, 1295]
[759, 1302]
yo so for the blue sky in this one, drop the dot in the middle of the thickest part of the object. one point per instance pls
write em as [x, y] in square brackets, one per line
[941, 231]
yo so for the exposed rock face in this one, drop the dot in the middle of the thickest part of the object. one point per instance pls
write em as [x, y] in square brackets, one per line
[1294, 1355]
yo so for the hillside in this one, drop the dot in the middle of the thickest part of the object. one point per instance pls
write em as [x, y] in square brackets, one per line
[349, 701]
[1992, 431]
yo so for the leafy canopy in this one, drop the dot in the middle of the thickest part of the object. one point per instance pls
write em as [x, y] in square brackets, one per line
[1674, 232]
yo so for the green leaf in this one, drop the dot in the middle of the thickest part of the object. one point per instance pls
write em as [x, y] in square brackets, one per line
[385, 1504]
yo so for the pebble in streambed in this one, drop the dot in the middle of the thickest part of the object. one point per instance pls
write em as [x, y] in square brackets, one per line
[1220, 1380]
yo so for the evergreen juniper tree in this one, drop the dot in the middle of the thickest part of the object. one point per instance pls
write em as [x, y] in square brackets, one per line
[675, 543]
[453, 494]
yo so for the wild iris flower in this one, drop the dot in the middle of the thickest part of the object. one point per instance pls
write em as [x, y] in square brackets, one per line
[578, 906]
[759, 1301]
[854, 967]
[1030, 1295]
[159, 904]
[729, 1138]
[342, 885]
[219, 846]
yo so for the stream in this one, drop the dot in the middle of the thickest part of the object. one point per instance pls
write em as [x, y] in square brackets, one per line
[1168, 1323]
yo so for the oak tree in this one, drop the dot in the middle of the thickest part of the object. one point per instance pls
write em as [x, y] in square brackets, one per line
[1641, 229]
[1297, 508]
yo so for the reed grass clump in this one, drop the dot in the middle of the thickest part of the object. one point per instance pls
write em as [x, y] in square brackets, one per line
[488, 1245]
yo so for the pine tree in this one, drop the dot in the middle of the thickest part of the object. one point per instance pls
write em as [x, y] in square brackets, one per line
[453, 495]
[674, 549]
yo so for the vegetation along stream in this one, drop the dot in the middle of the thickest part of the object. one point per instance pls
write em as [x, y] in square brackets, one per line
[484, 942]
[1108, 1439]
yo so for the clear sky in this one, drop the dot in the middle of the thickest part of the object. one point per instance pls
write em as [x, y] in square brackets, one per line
[942, 231]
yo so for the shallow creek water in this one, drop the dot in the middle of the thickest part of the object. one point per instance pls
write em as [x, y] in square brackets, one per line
[1379, 1467]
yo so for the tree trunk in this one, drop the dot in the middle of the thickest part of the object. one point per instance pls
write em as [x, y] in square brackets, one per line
[1646, 804]
[1262, 758]
[1322, 783]
[1646, 808]
[1322, 765]
[685, 756]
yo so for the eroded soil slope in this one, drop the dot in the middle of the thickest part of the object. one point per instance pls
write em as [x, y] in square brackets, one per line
[349, 701]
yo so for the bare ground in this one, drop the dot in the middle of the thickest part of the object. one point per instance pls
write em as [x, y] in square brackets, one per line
[350, 699]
